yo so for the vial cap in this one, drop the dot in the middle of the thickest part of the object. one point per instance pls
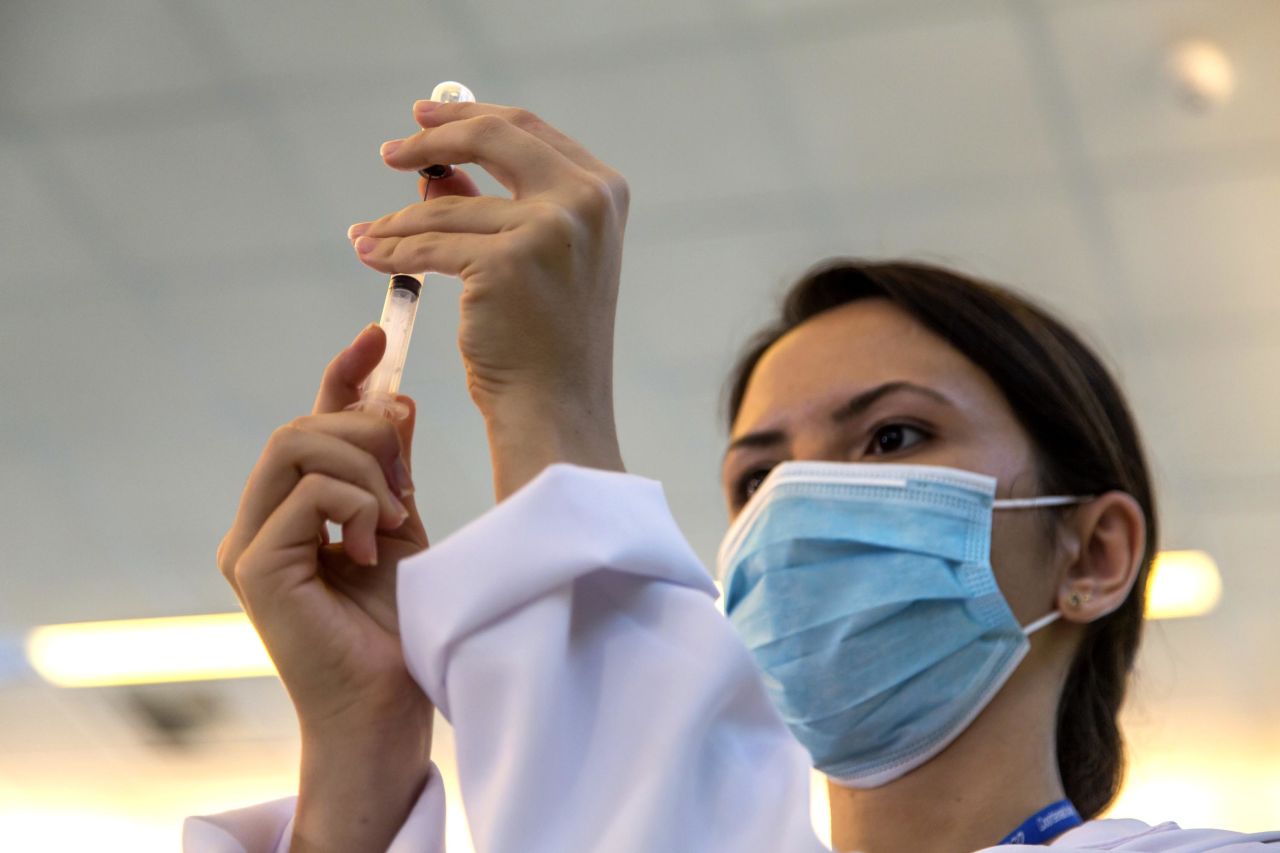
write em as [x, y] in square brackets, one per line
[452, 92]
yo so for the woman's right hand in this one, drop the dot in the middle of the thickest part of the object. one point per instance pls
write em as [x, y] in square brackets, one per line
[327, 612]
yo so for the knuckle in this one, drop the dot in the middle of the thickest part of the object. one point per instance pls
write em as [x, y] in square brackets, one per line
[486, 127]
[593, 195]
[384, 223]
[310, 484]
[523, 118]
[410, 253]
[225, 566]
[619, 189]
[508, 261]
[282, 436]
[553, 220]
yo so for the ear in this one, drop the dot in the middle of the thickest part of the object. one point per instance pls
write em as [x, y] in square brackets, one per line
[1111, 531]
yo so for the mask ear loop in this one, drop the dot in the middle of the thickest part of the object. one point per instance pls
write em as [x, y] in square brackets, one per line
[1047, 500]
[1044, 620]
[1032, 503]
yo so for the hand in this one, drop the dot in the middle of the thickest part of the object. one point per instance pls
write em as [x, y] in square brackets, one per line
[327, 612]
[540, 277]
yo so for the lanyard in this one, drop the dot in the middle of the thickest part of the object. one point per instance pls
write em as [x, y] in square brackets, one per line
[1054, 819]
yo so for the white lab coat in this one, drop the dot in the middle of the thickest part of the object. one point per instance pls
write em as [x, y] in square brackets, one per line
[599, 700]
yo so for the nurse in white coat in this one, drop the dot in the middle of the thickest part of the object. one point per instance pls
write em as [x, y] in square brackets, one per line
[977, 481]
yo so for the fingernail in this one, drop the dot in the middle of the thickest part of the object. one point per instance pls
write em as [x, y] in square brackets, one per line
[389, 147]
[359, 228]
[401, 512]
[373, 559]
[403, 481]
[424, 107]
[365, 245]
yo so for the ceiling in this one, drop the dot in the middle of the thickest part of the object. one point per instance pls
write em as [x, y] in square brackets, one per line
[177, 179]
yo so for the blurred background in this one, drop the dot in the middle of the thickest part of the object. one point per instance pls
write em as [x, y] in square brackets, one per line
[176, 181]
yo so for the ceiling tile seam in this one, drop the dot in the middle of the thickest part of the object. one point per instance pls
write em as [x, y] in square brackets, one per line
[1061, 125]
[1088, 203]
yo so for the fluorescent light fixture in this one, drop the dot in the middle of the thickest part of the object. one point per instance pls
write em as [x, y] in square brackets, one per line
[148, 651]
[1182, 583]
[224, 645]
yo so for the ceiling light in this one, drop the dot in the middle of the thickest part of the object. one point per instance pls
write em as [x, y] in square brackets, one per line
[1182, 583]
[148, 651]
[1202, 73]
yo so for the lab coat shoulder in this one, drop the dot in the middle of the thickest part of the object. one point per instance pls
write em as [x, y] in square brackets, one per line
[599, 699]
[1168, 837]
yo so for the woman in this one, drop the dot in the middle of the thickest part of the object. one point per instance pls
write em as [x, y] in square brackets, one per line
[955, 473]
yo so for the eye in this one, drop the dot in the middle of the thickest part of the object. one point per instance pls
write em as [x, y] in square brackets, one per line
[891, 438]
[748, 483]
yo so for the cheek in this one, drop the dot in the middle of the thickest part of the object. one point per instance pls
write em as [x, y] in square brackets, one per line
[1022, 559]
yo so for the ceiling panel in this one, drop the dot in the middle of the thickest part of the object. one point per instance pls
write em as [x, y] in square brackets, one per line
[1027, 237]
[35, 237]
[1198, 254]
[1114, 56]
[1221, 414]
[933, 104]
[559, 24]
[394, 40]
[681, 130]
[87, 51]
[186, 191]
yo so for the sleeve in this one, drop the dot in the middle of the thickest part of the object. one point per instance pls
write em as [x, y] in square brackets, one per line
[268, 827]
[599, 700]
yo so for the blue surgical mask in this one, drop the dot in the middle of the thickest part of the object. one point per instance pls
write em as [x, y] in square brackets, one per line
[866, 596]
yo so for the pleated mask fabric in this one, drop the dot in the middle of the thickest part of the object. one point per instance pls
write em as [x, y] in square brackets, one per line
[866, 595]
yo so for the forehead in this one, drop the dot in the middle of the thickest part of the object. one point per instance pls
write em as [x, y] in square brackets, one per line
[851, 348]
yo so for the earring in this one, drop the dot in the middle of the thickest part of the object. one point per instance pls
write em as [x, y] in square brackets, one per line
[1076, 599]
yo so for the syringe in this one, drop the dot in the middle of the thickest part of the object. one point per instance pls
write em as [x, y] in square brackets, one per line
[378, 393]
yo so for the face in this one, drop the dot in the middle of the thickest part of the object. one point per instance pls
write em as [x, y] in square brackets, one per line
[866, 382]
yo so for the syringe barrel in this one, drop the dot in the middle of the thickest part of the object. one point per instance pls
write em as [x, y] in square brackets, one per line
[398, 313]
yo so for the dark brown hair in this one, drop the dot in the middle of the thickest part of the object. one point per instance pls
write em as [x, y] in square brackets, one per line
[1085, 443]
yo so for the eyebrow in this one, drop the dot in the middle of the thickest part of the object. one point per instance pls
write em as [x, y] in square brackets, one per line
[851, 409]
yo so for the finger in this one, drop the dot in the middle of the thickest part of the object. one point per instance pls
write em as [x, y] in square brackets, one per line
[449, 254]
[449, 214]
[404, 429]
[376, 435]
[272, 560]
[350, 451]
[433, 114]
[521, 162]
[458, 183]
[294, 454]
[413, 525]
[340, 385]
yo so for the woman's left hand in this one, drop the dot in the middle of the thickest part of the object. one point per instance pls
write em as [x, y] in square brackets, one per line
[540, 276]
[539, 270]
